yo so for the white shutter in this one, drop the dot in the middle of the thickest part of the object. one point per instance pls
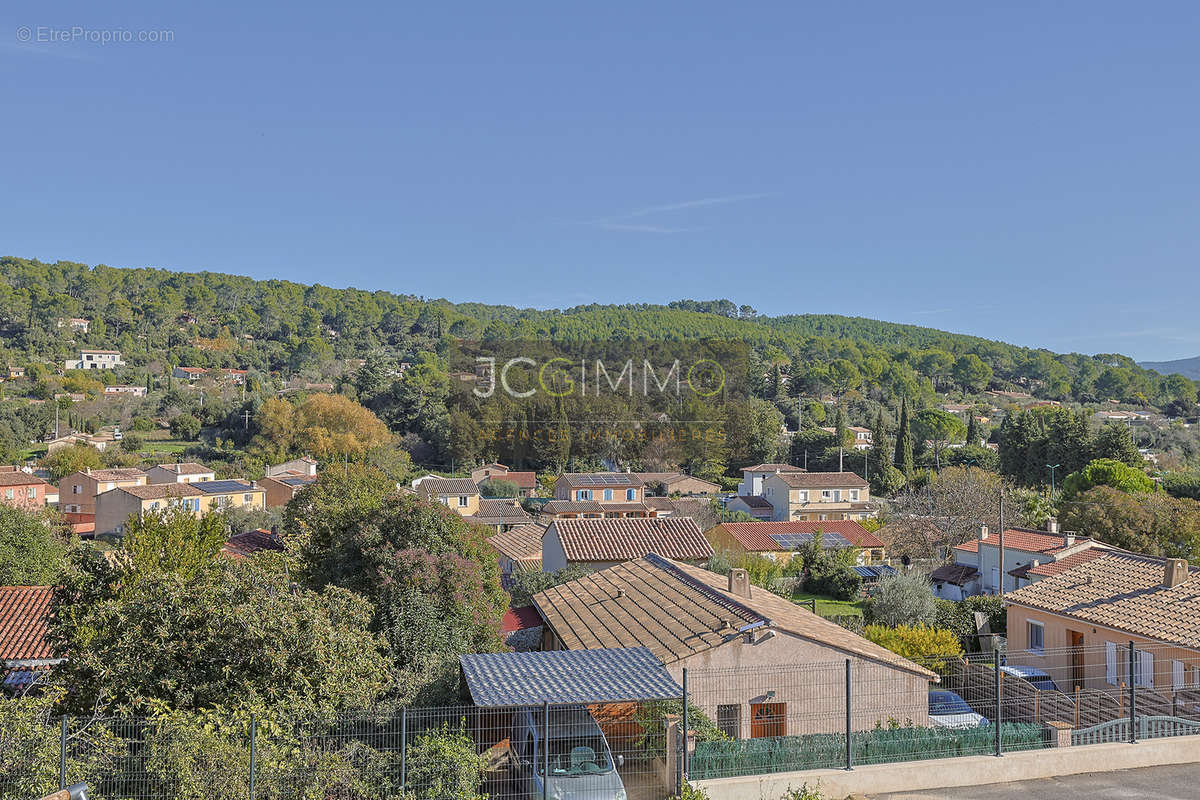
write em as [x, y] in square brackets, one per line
[1110, 663]
[1177, 675]
[1145, 675]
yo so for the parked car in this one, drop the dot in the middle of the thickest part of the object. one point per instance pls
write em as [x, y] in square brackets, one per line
[1039, 678]
[948, 710]
[581, 763]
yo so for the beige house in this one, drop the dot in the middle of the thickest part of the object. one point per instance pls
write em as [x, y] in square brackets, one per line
[753, 477]
[220, 495]
[459, 494]
[500, 514]
[304, 465]
[77, 492]
[778, 541]
[618, 494]
[280, 490]
[755, 505]
[96, 359]
[1077, 624]
[678, 483]
[759, 664]
[115, 507]
[188, 472]
[818, 496]
[596, 544]
[519, 549]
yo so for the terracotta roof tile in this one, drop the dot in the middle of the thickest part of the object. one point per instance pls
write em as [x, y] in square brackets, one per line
[957, 574]
[431, 486]
[822, 480]
[625, 538]
[1067, 562]
[186, 468]
[773, 468]
[572, 507]
[755, 537]
[755, 501]
[23, 611]
[521, 542]
[1030, 541]
[600, 480]
[499, 512]
[21, 479]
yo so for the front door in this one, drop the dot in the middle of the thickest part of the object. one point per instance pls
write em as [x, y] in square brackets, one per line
[768, 719]
[1076, 659]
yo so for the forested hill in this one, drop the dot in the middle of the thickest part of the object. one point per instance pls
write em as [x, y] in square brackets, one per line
[215, 320]
[1189, 367]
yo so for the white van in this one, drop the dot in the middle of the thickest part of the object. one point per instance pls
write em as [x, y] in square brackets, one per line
[581, 765]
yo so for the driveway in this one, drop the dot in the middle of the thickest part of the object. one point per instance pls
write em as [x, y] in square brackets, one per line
[1152, 783]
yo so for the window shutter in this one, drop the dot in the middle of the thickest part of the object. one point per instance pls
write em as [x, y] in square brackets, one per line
[1110, 663]
[1177, 678]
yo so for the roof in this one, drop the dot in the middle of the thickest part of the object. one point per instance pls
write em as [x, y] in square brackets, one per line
[870, 571]
[105, 352]
[599, 479]
[624, 538]
[113, 474]
[764, 536]
[957, 574]
[571, 507]
[773, 468]
[23, 611]
[521, 542]
[523, 480]
[677, 610]
[241, 545]
[499, 512]
[822, 480]
[186, 468]
[668, 478]
[293, 480]
[225, 487]
[161, 491]
[499, 680]
[1067, 562]
[1030, 541]
[754, 501]
[448, 486]
[520, 619]
[20, 479]
[1123, 591]
[660, 503]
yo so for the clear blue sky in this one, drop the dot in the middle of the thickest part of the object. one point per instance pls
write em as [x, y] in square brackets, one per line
[1024, 171]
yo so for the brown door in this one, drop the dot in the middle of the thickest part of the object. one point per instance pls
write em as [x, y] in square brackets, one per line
[1076, 659]
[768, 719]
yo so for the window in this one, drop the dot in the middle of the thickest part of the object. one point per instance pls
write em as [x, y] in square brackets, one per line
[729, 720]
[826, 495]
[768, 719]
[1110, 664]
[247, 498]
[31, 492]
[1145, 669]
[583, 494]
[462, 501]
[608, 494]
[995, 578]
[8, 494]
[631, 494]
[154, 506]
[854, 494]
[802, 496]
[76, 489]
[1035, 633]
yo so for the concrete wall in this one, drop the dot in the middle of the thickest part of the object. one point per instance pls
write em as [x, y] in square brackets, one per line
[113, 510]
[554, 557]
[916, 776]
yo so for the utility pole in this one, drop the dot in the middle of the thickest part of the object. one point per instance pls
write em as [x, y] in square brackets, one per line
[1052, 467]
[246, 420]
[799, 413]
[840, 459]
[1001, 547]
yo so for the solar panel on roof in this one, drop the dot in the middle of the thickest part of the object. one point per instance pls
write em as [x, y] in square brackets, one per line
[219, 487]
[790, 541]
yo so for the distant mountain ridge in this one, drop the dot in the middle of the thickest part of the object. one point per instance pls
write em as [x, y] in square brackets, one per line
[1187, 367]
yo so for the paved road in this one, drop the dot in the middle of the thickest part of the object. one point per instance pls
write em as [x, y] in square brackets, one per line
[1152, 783]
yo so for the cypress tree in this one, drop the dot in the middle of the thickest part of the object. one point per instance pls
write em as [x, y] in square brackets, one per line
[904, 443]
[972, 430]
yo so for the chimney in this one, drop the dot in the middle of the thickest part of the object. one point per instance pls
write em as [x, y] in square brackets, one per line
[1051, 525]
[1175, 572]
[983, 532]
[1068, 538]
[739, 583]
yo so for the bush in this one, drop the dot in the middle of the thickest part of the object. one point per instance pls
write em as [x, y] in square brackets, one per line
[443, 765]
[131, 442]
[185, 426]
[960, 617]
[650, 716]
[527, 584]
[498, 487]
[902, 600]
[921, 643]
[834, 580]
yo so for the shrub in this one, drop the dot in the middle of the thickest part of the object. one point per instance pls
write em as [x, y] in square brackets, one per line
[959, 617]
[443, 765]
[650, 716]
[185, 426]
[527, 584]
[902, 600]
[833, 579]
[921, 643]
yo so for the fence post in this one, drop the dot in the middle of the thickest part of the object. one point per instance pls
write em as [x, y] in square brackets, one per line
[545, 752]
[62, 754]
[1132, 694]
[253, 751]
[849, 747]
[996, 681]
[403, 748]
[684, 750]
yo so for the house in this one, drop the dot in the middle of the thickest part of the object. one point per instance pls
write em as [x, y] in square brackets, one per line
[571, 509]
[304, 465]
[526, 482]
[16, 372]
[96, 359]
[706, 621]
[619, 494]
[500, 514]
[193, 374]
[77, 492]
[116, 506]
[24, 651]
[958, 409]
[668, 483]
[280, 490]
[231, 494]
[72, 439]
[460, 494]
[1079, 623]
[753, 477]
[23, 490]
[862, 436]
[977, 568]
[75, 324]
[123, 390]
[779, 540]
[755, 505]
[519, 550]
[599, 543]
[818, 496]
[186, 472]
[243, 545]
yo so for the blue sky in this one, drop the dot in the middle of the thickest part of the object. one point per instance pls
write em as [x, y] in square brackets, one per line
[1018, 171]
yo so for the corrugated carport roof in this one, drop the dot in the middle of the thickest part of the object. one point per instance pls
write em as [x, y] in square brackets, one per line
[500, 680]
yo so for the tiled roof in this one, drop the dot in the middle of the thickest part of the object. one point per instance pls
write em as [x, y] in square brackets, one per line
[1030, 541]
[241, 545]
[1123, 591]
[20, 479]
[523, 480]
[431, 486]
[756, 536]
[755, 501]
[499, 512]
[186, 468]
[822, 480]
[23, 611]
[677, 610]
[521, 542]
[626, 538]
[103, 475]
[571, 507]
[1067, 562]
[603, 480]
[162, 490]
[773, 468]
[957, 574]
[660, 503]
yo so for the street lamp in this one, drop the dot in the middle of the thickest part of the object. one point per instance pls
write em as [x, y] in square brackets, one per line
[1052, 467]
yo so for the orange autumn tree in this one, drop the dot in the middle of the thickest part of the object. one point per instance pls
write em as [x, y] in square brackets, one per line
[324, 425]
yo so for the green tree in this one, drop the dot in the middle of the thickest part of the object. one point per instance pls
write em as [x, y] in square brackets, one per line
[498, 487]
[1115, 441]
[940, 428]
[33, 547]
[185, 426]
[1156, 524]
[971, 373]
[445, 765]
[1106, 472]
[904, 444]
[902, 600]
[526, 584]
[67, 460]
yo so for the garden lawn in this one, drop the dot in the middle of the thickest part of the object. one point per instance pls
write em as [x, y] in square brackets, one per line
[828, 607]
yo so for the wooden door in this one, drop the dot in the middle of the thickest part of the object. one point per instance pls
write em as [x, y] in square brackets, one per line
[768, 719]
[1076, 659]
